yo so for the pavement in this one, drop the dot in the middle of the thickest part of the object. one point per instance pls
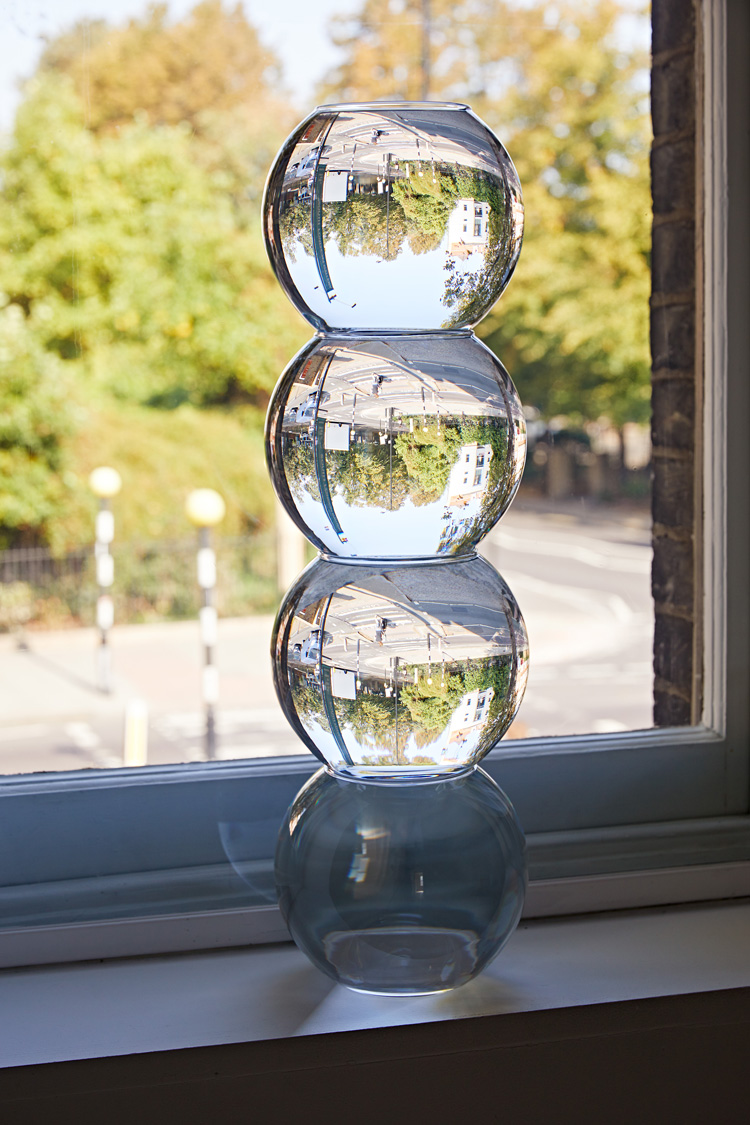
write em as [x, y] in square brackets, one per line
[581, 577]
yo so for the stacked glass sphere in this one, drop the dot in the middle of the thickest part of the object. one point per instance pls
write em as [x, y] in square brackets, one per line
[395, 441]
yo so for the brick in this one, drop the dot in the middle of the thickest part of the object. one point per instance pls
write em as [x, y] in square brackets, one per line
[673, 95]
[673, 177]
[672, 575]
[673, 262]
[673, 337]
[671, 710]
[672, 503]
[673, 415]
[673, 24]
[673, 653]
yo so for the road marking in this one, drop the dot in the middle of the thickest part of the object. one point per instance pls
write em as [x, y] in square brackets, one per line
[191, 724]
[637, 560]
[591, 602]
[592, 671]
[621, 611]
[549, 673]
[83, 736]
[608, 726]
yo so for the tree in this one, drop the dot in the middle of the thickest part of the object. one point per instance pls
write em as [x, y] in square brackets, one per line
[129, 259]
[209, 71]
[556, 86]
[130, 244]
[211, 61]
[36, 417]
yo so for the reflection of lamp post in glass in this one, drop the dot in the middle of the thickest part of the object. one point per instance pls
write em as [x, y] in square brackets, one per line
[104, 483]
[205, 509]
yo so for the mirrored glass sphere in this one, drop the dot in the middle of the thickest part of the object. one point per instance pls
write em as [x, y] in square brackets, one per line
[403, 889]
[402, 671]
[403, 216]
[396, 447]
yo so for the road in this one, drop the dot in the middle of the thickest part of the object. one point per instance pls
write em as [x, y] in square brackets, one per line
[581, 579]
[583, 584]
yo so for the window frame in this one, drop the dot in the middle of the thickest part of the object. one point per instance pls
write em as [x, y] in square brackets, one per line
[614, 820]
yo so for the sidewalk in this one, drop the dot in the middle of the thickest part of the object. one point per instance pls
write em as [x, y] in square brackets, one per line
[54, 679]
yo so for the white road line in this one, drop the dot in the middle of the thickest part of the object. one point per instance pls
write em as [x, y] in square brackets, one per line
[637, 560]
[591, 602]
[83, 736]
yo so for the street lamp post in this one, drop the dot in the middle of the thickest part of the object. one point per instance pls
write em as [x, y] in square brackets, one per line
[105, 483]
[205, 509]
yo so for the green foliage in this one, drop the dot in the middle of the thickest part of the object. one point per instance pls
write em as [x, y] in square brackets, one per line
[131, 255]
[129, 258]
[211, 61]
[36, 418]
[554, 83]
[161, 456]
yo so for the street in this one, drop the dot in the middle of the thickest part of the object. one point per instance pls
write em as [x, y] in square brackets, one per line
[581, 578]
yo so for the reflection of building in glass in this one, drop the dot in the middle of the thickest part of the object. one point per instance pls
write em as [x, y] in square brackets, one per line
[468, 719]
[470, 474]
[468, 227]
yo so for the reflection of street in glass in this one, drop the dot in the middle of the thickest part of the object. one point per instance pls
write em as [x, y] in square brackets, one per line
[396, 448]
[413, 666]
[427, 201]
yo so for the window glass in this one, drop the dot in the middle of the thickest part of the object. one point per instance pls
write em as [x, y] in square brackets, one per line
[141, 329]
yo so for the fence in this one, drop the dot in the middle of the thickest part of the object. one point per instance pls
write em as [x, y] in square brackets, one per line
[154, 581]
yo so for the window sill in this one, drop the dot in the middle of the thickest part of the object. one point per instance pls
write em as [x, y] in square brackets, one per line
[636, 1016]
[133, 1006]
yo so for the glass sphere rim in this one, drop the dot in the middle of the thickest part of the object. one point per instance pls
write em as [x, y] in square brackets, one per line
[406, 780]
[397, 561]
[389, 104]
[368, 334]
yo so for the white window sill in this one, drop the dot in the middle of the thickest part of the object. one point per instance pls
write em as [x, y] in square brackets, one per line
[98, 1010]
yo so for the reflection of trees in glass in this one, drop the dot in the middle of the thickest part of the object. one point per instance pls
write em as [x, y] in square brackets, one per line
[299, 466]
[372, 225]
[417, 208]
[432, 706]
[307, 700]
[376, 721]
[427, 199]
[428, 456]
[492, 432]
[294, 227]
[368, 476]
[422, 711]
[470, 293]
[416, 466]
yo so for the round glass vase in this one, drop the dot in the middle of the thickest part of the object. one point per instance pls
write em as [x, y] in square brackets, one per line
[401, 889]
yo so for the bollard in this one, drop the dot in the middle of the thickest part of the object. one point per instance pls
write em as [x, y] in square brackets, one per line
[135, 742]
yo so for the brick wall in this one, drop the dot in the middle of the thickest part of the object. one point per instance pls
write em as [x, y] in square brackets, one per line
[676, 356]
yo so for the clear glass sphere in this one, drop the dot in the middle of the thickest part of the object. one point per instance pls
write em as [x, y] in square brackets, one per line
[403, 217]
[404, 889]
[400, 671]
[396, 446]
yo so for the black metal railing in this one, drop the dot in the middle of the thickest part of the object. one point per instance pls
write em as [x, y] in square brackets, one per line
[154, 581]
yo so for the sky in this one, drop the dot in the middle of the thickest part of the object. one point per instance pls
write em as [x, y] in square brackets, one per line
[295, 29]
